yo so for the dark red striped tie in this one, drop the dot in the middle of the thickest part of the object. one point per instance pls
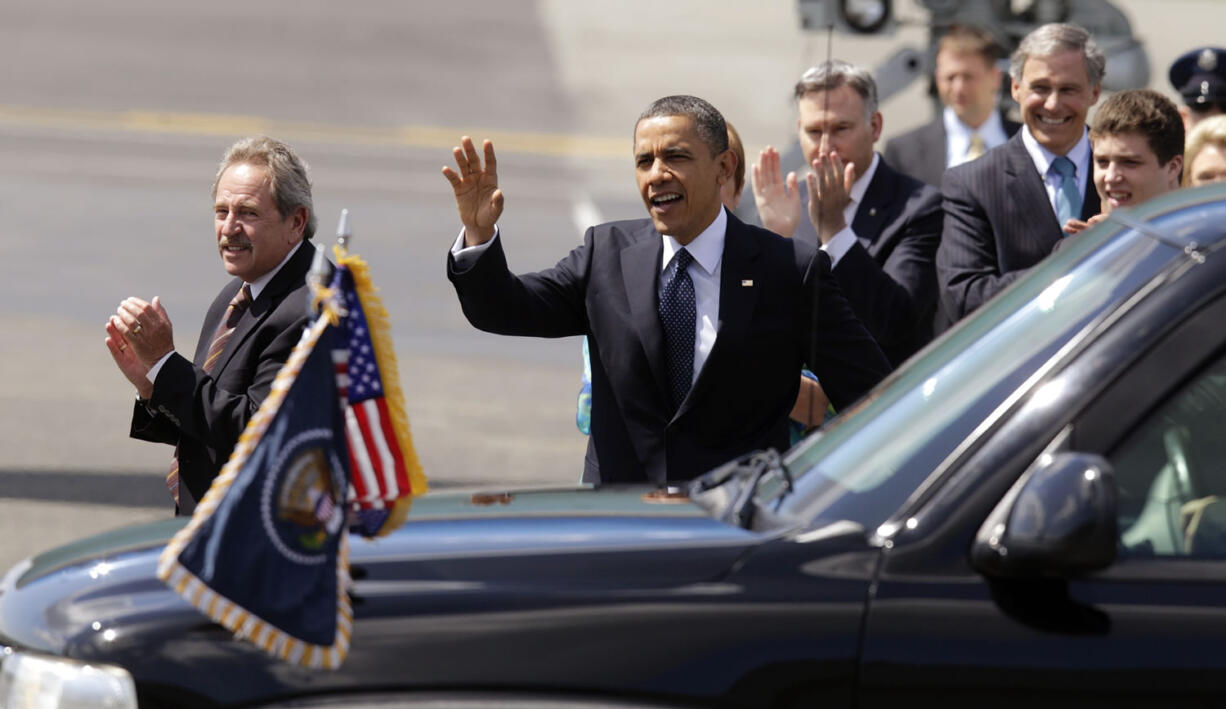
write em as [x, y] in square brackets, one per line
[239, 305]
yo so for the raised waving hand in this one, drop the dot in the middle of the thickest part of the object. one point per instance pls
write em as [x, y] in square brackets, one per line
[477, 196]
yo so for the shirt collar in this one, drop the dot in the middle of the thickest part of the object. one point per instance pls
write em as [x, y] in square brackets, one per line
[1043, 158]
[707, 248]
[992, 131]
[257, 286]
[861, 185]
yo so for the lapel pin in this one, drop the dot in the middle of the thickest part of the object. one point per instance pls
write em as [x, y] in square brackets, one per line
[747, 283]
[872, 211]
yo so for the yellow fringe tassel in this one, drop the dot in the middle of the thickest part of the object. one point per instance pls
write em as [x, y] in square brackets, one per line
[385, 356]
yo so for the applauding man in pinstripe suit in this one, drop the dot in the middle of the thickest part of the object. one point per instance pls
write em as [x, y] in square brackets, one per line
[1005, 211]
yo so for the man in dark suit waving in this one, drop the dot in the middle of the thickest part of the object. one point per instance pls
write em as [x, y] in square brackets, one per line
[263, 217]
[699, 324]
[1005, 211]
[879, 227]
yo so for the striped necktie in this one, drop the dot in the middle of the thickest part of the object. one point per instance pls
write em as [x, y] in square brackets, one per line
[225, 329]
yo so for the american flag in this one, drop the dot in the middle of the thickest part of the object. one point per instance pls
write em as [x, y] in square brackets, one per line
[379, 474]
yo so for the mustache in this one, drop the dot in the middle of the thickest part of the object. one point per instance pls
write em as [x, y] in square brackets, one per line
[227, 242]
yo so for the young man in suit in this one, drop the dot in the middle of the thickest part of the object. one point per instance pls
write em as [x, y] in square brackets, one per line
[968, 82]
[263, 217]
[1006, 211]
[698, 324]
[879, 226]
[1138, 151]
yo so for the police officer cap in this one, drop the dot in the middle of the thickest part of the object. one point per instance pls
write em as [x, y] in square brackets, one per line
[1200, 76]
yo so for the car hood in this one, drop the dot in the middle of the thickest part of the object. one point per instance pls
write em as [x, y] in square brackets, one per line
[67, 599]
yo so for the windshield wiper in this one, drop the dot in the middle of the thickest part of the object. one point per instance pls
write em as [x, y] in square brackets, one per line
[728, 492]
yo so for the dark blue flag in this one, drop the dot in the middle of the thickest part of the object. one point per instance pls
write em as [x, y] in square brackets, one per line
[265, 554]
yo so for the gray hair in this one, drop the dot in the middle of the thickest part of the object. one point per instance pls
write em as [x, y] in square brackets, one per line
[287, 174]
[708, 121]
[1055, 38]
[835, 73]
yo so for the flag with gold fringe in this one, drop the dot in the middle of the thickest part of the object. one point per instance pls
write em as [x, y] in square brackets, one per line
[266, 551]
[386, 472]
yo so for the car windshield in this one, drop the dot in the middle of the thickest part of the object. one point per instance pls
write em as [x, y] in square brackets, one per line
[871, 460]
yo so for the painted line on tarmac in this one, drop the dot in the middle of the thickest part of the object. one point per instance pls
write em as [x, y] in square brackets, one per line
[411, 136]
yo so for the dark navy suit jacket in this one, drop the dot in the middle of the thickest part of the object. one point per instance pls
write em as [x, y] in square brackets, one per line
[204, 414]
[889, 277]
[779, 310]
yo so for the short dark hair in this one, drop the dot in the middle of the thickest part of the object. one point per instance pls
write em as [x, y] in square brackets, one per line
[970, 39]
[707, 120]
[1143, 112]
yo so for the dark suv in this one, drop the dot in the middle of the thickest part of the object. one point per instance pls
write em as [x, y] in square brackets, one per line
[1026, 513]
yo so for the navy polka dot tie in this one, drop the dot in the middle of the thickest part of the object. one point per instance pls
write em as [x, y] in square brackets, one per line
[677, 315]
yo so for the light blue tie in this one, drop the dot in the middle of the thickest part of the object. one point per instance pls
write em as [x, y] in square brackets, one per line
[1068, 197]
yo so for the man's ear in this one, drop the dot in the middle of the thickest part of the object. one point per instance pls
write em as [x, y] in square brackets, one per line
[875, 123]
[726, 162]
[298, 222]
[1174, 171]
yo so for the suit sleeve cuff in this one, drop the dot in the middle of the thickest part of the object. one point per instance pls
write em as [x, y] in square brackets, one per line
[152, 374]
[466, 256]
[838, 247]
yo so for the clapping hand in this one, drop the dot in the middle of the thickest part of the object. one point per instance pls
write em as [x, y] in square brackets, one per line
[1076, 226]
[829, 194]
[777, 199]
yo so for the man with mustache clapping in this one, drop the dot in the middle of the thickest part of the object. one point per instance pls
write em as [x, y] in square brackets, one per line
[263, 218]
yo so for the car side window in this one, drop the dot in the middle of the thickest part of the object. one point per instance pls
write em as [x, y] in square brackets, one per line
[1170, 473]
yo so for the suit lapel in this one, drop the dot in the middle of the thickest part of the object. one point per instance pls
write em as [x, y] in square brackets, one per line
[737, 297]
[262, 306]
[1027, 191]
[872, 212]
[640, 262]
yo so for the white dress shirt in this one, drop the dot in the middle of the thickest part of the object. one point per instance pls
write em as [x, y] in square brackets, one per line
[958, 135]
[1043, 158]
[846, 238]
[708, 251]
[257, 287]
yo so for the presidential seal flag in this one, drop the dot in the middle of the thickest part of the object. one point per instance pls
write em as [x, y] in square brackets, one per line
[266, 551]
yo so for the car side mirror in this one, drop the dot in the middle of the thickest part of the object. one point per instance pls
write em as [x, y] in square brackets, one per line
[1058, 519]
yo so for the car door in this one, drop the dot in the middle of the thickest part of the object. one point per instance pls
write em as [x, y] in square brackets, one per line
[1149, 630]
